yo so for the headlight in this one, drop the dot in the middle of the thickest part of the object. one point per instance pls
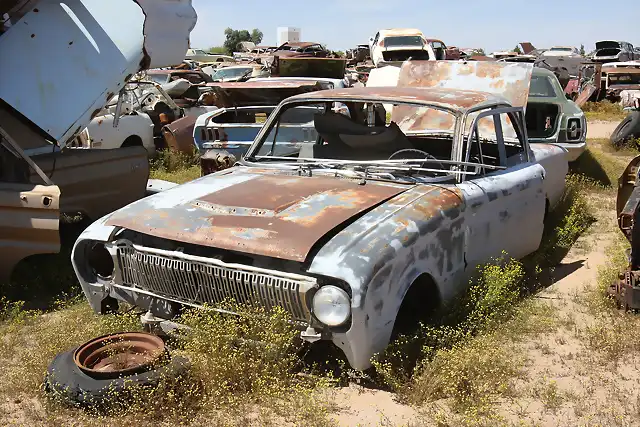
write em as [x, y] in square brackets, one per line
[331, 305]
[99, 260]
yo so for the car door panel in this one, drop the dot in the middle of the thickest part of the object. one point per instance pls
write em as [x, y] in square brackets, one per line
[96, 182]
[29, 216]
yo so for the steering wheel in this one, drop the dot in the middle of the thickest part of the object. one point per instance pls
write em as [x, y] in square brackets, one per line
[413, 150]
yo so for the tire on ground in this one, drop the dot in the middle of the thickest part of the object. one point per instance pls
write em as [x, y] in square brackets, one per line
[64, 381]
[628, 128]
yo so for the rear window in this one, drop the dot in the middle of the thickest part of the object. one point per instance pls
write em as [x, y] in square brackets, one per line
[541, 86]
[403, 41]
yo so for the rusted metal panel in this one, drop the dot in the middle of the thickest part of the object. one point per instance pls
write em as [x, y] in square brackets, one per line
[256, 93]
[509, 80]
[585, 95]
[251, 216]
[178, 135]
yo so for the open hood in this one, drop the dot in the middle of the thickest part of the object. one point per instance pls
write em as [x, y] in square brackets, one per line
[280, 216]
[75, 55]
[607, 44]
[509, 80]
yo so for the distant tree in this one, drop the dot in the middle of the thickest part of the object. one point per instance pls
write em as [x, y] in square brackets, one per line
[478, 52]
[340, 53]
[517, 49]
[218, 50]
[256, 36]
[582, 52]
[234, 37]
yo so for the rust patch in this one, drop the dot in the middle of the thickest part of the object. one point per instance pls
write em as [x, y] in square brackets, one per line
[272, 215]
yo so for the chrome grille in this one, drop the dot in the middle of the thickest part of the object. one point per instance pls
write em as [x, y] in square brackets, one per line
[204, 281]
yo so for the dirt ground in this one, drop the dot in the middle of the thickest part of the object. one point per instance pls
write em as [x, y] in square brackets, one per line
[600, 129]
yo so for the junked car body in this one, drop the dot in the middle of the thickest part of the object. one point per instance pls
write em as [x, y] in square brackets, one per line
[552, 118]
[200, 55]
[613, 50]
[96, 47]
[244, 107]
[368, 220]
[393, 46]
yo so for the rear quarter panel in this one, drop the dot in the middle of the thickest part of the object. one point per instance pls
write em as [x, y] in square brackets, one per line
[554, 161]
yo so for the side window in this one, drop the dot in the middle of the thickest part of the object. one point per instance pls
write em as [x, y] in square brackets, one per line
[496, 142]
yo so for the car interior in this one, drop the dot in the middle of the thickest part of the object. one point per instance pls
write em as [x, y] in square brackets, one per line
[367, 133]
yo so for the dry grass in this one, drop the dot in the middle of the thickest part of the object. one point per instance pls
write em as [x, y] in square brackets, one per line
[175, 167]
[603, 110]
[231, 382]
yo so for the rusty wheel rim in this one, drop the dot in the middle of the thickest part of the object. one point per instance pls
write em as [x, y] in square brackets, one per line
[118, 355]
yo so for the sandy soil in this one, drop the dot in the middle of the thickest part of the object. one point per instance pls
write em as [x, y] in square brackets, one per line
[600, 129]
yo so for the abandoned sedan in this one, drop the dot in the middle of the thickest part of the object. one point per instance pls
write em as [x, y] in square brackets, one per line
[371, 220]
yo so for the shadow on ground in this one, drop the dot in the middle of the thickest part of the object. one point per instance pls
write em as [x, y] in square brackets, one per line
[589, 166]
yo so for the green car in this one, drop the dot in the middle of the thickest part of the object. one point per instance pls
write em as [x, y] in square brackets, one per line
[552, 118]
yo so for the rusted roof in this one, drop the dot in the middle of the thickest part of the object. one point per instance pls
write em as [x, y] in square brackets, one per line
[278, 216]
[458, 100]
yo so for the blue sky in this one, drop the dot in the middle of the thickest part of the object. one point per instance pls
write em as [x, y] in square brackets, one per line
[490, 24]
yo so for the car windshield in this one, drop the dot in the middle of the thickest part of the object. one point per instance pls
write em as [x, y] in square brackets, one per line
[200, 52]
[541, 87]
[342, 134]
[403, 41]
[228, 73]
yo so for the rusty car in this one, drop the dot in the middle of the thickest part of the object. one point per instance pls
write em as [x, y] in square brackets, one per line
[40, 177]
[370, 221]
[614, 51]
[244, 107]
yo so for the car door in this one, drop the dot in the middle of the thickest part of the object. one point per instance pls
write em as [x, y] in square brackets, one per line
[96, 182]
[29, 213]
[505, 200]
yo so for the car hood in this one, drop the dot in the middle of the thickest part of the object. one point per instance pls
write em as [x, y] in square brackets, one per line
[260, 212]
[82, 52]
[608, 44]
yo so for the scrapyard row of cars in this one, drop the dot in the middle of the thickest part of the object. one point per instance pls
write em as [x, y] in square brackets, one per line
[356, 209]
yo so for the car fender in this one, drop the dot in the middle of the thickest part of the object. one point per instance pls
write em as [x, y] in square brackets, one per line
[103, 135]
